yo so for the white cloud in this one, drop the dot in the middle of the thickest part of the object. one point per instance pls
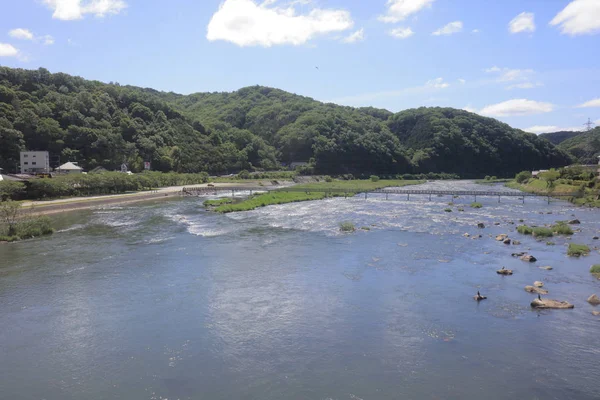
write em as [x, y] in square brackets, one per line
[475, 31]
[493, 69]
[246, 23]
[523, 22]
[399, 10]
[462, 81]
[525, 85]
[517, 107]
[580, 17]
[537, 129]
[357, 36]
[401, 33]
[21, 33]
[437, 83]
[8, 50]
[590, 104]
[451, 28]
[47, 40]
[74, 9]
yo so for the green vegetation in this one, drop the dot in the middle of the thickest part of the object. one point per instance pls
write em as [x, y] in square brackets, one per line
[557, 138]
[374, 178]
[461, 209]
[218, 202]
[97, 184]
[476, 205]
[583, 146]
[365, 228]
[267, 199]
[525, 230]
[253, 129]
[347, 227]
[562, 228]
[448, 210]
[523, 176]
[550, 243]
[15, 226]
[541, 232]
[595, 269]
[577, 250]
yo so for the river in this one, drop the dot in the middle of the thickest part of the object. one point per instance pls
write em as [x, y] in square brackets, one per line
[164, 300]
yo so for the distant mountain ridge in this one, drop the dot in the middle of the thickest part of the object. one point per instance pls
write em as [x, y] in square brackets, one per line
[584, 147]
[256, 127]
[557, 138]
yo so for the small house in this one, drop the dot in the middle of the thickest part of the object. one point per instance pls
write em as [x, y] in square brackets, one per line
[70, 168]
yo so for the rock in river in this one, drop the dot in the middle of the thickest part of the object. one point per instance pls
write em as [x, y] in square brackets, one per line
[538, 284]
[518, 254]
[528, 258]
[507, 241]
[594, 300]
[533, 289]
[502, 238]
[547, 268]
[574, 222]
[481, 225]
[516, 242]
[504, 271]
[596, 313]
[551, 304]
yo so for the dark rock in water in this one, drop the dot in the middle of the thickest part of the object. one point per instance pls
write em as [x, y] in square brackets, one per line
[521, 220]
[496, 223]
[504, 272]
[481, 225]
[507, 241]
[479, 297]
[518, 254]
[594, 300]
[528, 258]
[533, 289]
[551, 304]
[596, 238]
[516, 242]
[549, 212]
[511, 222]
[574, 222]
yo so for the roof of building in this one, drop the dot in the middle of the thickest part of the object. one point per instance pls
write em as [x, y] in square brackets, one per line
[69, 167]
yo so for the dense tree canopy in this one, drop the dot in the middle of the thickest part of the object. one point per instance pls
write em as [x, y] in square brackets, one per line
[253, 128]
[585, 146]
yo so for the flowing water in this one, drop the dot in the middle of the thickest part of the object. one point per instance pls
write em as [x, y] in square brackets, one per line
[165, 300]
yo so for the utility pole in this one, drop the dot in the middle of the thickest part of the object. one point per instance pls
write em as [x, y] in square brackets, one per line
[589, 124]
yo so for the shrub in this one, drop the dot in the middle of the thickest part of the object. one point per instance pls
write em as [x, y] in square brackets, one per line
[494, 178]
[523, 176]
[595, 269]
[347, 227]
[525, 230]
[476, 205]
[562, 229]
[448, 210]
[374, 178]
[244, 174]
[365, 228]
[542, 232]
[550, 243]
[577, 250]
[328, 179]
[487, 177]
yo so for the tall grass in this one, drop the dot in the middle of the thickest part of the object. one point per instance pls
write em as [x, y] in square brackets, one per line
[577, 250]
[347, 227]
[476, 205]
[27, 228]
[595, 269]
[267, 199]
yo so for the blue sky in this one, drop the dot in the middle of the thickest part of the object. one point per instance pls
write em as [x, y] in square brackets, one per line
[534, 64]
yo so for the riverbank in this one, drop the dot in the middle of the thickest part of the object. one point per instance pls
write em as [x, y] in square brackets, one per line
[84, 203]
[349, 188]
[587, 197]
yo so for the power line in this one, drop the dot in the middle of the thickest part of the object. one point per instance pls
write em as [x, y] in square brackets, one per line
[589, 124]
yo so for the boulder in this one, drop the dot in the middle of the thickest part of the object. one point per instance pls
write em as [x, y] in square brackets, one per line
[479, 297]
[550, 304]
[511, 222]
[481, 225]
[528, 258]
[496, 223]
[507, 241]
[466, 235]
[516, 242]
[502, 238]
[538, 284]
[574, 222]
[533, 289]
[596, 313]
[547, 268]
[518, 254]
[504, 271]
[596, 238]
[594, 300]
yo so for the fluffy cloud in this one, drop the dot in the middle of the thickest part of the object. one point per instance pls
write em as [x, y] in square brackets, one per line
[399, 10]
[591, 103]
[401, 33]
[437, 83]
[21, 33]
[537, 129]
[516, 107]
[8, 50]
[246, 23]
[523, 22]
[75, 9]
[520, 78]
[580, 17]
[47, 40]
[451, 28]
[357, 36]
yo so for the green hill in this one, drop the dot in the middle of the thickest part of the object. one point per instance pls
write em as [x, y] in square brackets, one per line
[256, 127]
[557, 138]
[585, 147]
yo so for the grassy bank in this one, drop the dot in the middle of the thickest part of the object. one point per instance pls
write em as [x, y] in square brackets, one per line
[26, 228]
[583, 196]
[283, 197]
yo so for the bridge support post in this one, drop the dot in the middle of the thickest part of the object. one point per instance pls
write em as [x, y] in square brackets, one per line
[523, 199]
[408, 196]
[386, 196]
[548, 199]
[429, 196]
[475, 198]
[498, 199]
[366, 193]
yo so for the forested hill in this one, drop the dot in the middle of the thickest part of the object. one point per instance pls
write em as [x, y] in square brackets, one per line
[585, 146]
[257, 127]
[559, 137]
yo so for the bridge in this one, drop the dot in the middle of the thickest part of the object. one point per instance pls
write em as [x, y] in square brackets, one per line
[204, 191]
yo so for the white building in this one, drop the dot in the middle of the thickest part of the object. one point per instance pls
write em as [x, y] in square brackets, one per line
[35, 162]
[70, 168]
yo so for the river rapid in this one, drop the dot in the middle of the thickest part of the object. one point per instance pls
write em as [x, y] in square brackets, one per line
[165, 300]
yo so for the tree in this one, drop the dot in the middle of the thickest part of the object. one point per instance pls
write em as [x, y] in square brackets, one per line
[9, 215]
[523, 176]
